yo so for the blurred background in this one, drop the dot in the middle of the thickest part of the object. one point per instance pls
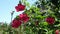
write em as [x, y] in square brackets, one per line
[7, 6]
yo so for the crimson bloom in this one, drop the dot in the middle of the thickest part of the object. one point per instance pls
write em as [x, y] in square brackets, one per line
[24, 17]
[20, 7]
[50, 20]
[57, 31]
[16, 23]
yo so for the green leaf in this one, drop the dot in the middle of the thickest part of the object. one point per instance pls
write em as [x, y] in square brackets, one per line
[57, 25]
[50, 32]
[27, 4]
[45, 23]
[39, 17]
[32, 16]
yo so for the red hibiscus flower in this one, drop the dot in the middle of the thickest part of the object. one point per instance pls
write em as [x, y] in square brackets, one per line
[50, 20]
[24, 17]
[20, 7]
[57, 31]
[16, 23]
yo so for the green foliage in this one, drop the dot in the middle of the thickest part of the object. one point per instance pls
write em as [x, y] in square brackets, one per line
[37, 23]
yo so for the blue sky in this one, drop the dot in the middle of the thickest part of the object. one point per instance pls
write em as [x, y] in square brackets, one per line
[7, 6]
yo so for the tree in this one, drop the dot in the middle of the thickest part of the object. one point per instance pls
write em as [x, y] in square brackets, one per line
[43, 17]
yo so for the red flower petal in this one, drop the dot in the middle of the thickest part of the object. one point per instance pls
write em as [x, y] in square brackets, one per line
[20, 7]
[17, 8]
[57, 31]
[24, 17]
[50, 20]
[16, 23]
